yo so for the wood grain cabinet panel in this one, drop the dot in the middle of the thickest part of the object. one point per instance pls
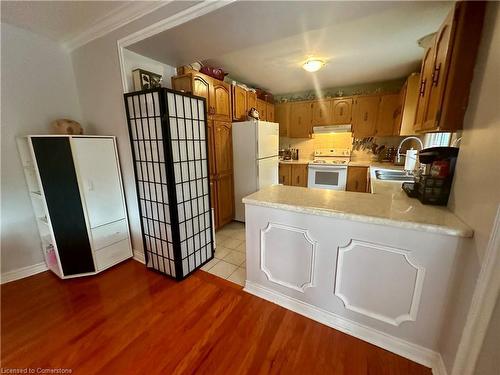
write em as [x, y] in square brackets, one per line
[365, 114]
[223, 147]
[221, 100]
[225, 197]
[299, 175]
[251, 100]
[285, 174]
[357, 179]
[300, 120]
[239, 99]
[448, 68]
[424, 88]
[270, 112]
[341, 111]
[262, 109]
[389, 113]
[282, 117]
[321, 112]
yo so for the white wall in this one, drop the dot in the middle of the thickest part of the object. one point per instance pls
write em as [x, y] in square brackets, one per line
[38, 86]
[98, 78]
[132, 60]
[476, 190]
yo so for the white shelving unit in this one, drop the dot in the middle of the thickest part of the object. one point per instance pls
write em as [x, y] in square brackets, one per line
[88, 231]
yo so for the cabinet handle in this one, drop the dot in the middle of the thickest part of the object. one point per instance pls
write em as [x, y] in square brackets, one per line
[435, 74]
[422, 86]
[366, 116]
[356, 185]
[341, 111]
[298, 179]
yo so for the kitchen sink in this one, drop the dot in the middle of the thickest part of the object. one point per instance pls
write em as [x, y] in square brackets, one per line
[386, 175]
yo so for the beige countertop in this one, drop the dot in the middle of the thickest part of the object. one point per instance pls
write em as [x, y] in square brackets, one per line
[391, 209]
[300, 161]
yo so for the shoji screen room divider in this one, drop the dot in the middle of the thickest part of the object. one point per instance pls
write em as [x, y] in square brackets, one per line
[168, 134]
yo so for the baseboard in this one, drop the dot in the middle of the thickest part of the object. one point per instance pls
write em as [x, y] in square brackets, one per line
[139, 256]
[439, 367]
[23, 272]
[416, 353]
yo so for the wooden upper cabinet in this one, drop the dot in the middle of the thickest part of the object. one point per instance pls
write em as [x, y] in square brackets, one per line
[270, 112]
[220, 100]
[321, 112]
[195, 83]
[223, 147]
[449, 76]
[239, 98]
[251, 100]
[300, 120]
[409, 95]
[341, 111]
[424, 88]
[261, 108]
[388, 115]
[282, 117]
[364, 119]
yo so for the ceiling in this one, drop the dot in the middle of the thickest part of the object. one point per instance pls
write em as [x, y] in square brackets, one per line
[265, 43]
[66, 21]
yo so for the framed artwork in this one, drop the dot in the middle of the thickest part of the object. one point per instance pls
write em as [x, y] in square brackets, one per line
[144, 80]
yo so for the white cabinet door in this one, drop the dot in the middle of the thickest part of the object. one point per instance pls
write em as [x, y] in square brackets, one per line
[97, 169]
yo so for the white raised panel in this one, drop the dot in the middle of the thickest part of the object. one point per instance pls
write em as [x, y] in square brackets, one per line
[378, 281]
[287, 256]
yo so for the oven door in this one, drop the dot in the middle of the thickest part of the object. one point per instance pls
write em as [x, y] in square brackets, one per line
[327, 177]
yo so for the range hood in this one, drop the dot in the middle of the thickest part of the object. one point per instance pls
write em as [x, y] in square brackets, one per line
[329, 129]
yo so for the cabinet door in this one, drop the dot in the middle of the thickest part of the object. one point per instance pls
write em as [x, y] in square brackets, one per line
[423, 93]
[211, 148]
[251, 100]
[285, 174]
[300, 120]
[214, 201]
[220, 100]
[357, 179]
[388, 112]
[225, 199]
[365, 116]
[269, 112]
[223, 147]
[282, 117]
[341, 111]
[442, 52]
[261, 108]
[99, 178]
[321, 112]
[239, 103]
[299, 175]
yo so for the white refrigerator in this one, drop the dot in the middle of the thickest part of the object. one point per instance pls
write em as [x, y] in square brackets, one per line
[255, 159]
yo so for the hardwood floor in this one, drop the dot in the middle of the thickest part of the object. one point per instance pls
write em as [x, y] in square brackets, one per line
[129, 320]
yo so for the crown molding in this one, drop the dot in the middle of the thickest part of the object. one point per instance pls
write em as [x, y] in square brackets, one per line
[111, 21]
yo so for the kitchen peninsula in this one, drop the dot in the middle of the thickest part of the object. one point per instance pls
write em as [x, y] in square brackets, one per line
[376, 266]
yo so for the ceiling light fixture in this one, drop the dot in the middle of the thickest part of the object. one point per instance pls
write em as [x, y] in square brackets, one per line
[313, 65]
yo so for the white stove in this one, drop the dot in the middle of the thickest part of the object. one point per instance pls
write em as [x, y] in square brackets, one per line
[328, 170]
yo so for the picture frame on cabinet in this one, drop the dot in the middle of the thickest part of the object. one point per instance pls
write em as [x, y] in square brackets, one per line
[144, 80]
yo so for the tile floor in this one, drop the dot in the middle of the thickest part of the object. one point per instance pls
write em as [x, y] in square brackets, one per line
[229, 261]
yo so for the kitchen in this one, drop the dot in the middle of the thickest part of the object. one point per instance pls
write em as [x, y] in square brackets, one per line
[328, 170]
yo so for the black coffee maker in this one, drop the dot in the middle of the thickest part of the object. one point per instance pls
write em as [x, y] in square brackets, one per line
[433, 180]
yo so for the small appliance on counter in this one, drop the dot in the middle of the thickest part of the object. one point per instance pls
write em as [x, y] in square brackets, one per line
[289, 154]
[433, 180]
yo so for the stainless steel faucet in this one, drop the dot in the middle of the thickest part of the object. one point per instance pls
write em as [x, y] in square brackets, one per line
[398, 153]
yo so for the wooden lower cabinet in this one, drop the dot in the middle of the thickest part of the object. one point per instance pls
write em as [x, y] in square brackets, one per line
[225, 199]
[357, 179]
[293, 174]
[285, 174]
